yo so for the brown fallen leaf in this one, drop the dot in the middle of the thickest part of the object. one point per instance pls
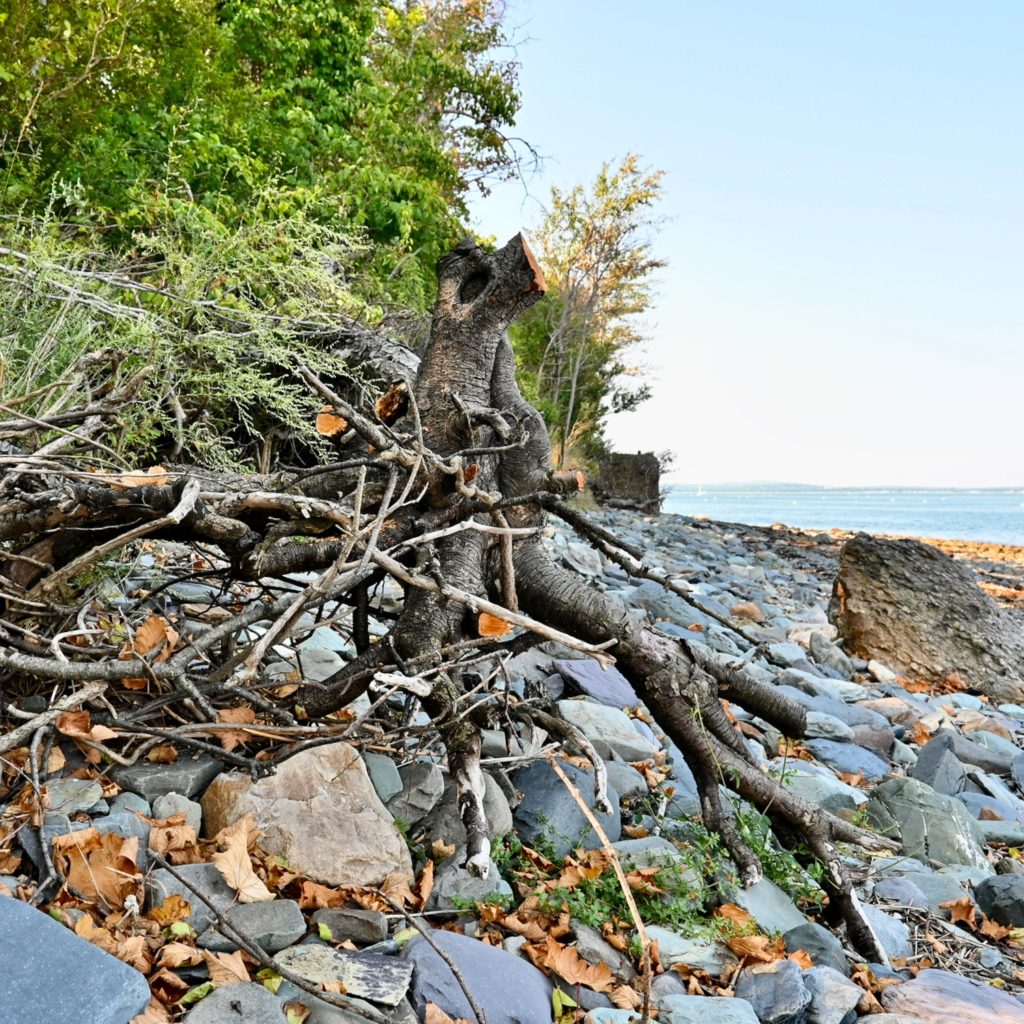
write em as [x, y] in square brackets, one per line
[425, 884]
[164, 754]
[731, 912]
[155, 634]
[86, 928]
[757, 947]
[226, 968]
[433, 1014]
[491, 625]
[234, 863]
[314, 896]
[567, 963]
[625, 998]
[961, 910]
[78, 725]
[993, 930]
[802, 959]
[100, 868]
[174, 954]
[440, 850]
[296, 1012]
[243, 715]
[155, 1013]
[173, 909]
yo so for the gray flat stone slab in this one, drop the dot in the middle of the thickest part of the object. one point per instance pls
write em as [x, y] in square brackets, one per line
[773, 910]
[244, 1004]
[706, 1010]
[608, 729]
[364, 927]
[206, 878]
[272, 924]
[380, 979]
[48, 975]
[606, 686]
[188, 776]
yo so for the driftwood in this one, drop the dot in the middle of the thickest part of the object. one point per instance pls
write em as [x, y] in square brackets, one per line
[924, 615]
[447, 499]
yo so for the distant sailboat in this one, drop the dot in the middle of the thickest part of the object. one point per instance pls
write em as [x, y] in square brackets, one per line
[700, 490]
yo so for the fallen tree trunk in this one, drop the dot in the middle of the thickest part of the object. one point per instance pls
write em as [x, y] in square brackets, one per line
[923, 614]
[449, 501]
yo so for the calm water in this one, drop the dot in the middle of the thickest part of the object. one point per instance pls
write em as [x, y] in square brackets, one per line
[989, 515]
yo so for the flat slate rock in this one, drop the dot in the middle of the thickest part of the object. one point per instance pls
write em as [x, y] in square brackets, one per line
[246, 1004]
[363, 927]
[48, 975]
[776, 992]
[705, 1010]
[380, 979]
[272, 924]
[206, 878]
[848, 757]
[605, 685]
[939, 997]
[187, 776]
[548, 811]
[773, 910]
[508, 989]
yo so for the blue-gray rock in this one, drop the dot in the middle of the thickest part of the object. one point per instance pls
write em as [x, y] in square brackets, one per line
[608, 729]
[847, 757]
[902, 891]
[132, 802]
[384, 775]
[595, 950]
[365, 975]
[244, 1004]
[937, 766]
[773, 910]
[272, 924]
[625, 780]
[583, 558]
[821, 725]
[819, 943]
[892, 933]
[1002, 899]
[204, 878]
[422, 786]
[508, 989]
[48, 975]
[699, 953]
[834, 997]
[776, 992]
[827, 653]
[969, 752]
[685, 799]
[605, 685]
[454, 884]
[317, 663]
[174, 803]
[610, 1015]
[660, 603]
[1003, 833]
[939, 996]
[363, 927]
[549, 814]
[931, 826]
[826, 791]
[69, 796]
[705, 1010]
[981, 803]
[188, 776]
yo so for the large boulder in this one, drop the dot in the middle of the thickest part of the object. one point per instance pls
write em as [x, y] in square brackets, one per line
[320, 813]
[939, 997]
[920, 612]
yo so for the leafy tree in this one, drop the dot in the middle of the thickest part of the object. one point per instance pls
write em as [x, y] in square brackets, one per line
[594, 245]
[370, 115]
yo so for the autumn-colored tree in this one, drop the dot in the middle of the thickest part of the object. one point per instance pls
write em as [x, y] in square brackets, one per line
[595, 247]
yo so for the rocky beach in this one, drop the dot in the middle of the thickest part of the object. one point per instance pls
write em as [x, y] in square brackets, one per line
[343, 871]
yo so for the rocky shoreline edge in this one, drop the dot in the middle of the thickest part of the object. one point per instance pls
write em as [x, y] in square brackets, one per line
[939, 769]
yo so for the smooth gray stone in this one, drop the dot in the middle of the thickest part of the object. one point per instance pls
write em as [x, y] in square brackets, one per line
[69, 796]
[893, 934]
[380, 979]
[827, 653]
[997, 745]
[821, 725]
[931, 826]
[775, 991]
[969, 752]
[656, 851]
[205, 878]
[976, 803]
[959, 998]
[847, 757]
[625, 780]
[508, 989]
[668, 984]
[833, 996]
[1002, 899]
[819, 943]
[384, 775]
[826, 791]
[549, 814]
[132, 802]
[1005, 833]
[685, 800]
[318, 663]
[607, 686]
[610, 1015]
[583, 558]
[363, 927]
[454, 883]
[51, 976]
[422, 786]
[706, 1010]
[660, 603]
[272, 924]
[937, 766]
[699, 953]
[188, 776]
[903, 891]
[325, 638]
[444, 821]
[938, 887]
[174, 803]
[608, 729]
[595, 950]
[773, 910]
[903, 755]
[245, 1003]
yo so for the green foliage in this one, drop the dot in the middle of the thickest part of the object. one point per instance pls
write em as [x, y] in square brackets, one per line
[572, 349]
[782, 866]
[369, 116]
[204, 318]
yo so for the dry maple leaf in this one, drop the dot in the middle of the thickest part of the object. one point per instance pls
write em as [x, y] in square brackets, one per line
[85, 928]
[731, 912]
[167, 986]
[155, 634]
[960, 910]
[234, 863]
[174, 954]
[396, 886]
[164, 754]
[993, 930]
[567, 963]
[78, 725]
[226, 968]
[625, 998]
[231, 738]
[155, 1013]
[134, 951]
[440, 850]
[173, 909]
[802, 959]
[757, 947]
[433, 1014]
[425, 884]
[314, 896]
[99, 868]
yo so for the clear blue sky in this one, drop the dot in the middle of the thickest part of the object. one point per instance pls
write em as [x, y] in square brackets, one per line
[844, 301]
